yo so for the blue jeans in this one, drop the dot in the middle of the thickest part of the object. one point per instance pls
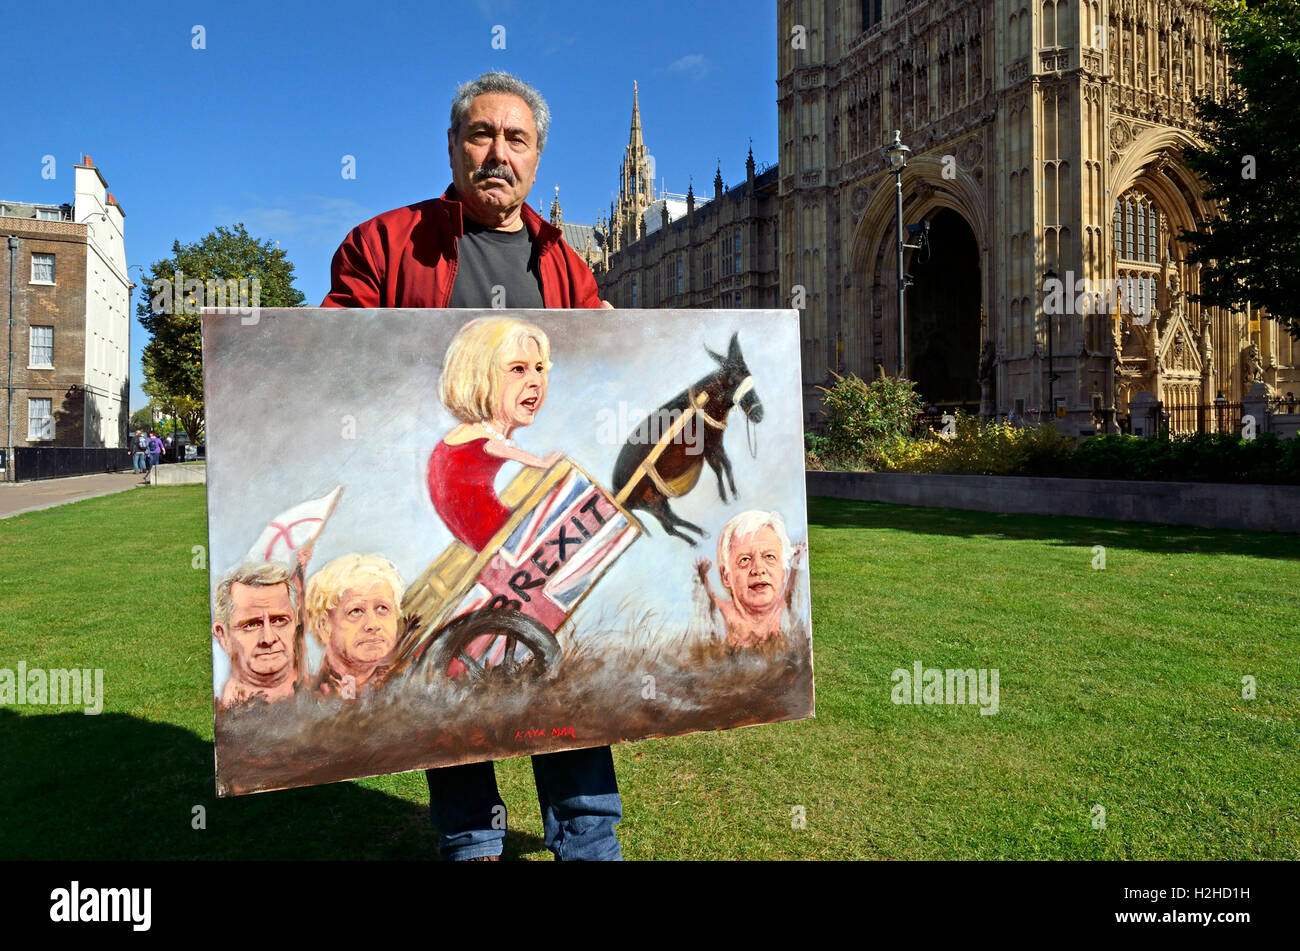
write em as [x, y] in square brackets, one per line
[138, 461]
[153, 459]
[577, 792]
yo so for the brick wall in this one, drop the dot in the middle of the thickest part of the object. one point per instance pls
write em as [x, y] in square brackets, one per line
[61, 306]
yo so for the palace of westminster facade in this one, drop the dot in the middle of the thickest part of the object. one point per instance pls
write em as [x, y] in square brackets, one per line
[1045, 137]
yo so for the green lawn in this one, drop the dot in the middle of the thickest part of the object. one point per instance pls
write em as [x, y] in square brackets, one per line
[1119, 688]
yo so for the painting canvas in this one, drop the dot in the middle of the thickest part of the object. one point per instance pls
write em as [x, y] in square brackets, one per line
[447, 536]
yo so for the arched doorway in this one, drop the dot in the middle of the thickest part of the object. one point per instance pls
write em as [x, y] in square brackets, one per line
[943, 314]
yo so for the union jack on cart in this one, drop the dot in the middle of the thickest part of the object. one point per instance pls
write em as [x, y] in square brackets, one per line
[472, 612]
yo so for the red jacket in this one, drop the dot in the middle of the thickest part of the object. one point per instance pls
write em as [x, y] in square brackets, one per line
[407, 258]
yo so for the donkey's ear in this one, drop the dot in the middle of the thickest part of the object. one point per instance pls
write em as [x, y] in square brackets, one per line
[733, 349]
[717, 356]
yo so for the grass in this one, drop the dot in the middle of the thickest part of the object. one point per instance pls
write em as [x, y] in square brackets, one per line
[1119, 688]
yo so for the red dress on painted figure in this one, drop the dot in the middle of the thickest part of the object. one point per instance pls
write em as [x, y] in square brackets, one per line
[460, 481]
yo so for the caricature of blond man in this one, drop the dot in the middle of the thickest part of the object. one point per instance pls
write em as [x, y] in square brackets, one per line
[756, 563]
[354, 612]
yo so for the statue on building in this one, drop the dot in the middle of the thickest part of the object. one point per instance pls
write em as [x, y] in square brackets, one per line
[1252, 368]
[1173, 287]
[987, 377]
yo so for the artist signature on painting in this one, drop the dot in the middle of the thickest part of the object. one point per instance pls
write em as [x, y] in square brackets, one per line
[540, 733]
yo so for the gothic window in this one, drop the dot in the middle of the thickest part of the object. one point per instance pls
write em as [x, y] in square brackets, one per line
[737, 268]
[681, 273]
[1119, 229]
[1130, 213]
[1137, 228]
[634, 299]
[708, 265]
[870, 13]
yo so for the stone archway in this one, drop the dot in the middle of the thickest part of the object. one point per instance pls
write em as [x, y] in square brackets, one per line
[943, 314]
[872, 334]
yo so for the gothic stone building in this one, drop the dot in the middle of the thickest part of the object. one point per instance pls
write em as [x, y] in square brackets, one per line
[672, 251]
[1046, 134]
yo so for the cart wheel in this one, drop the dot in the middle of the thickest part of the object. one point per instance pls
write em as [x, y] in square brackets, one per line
[452, 643]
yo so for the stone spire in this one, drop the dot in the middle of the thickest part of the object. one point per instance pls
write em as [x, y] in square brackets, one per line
[717, 183]
[636, 189]
[749, 167]
[556, 217]
[634, 140]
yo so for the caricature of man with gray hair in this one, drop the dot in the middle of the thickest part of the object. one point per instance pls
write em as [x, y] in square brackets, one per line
[255, 619]
[757, 564]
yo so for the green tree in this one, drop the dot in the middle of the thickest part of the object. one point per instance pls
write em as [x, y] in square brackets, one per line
[1251, 165]
[225, 268]
[142, 419]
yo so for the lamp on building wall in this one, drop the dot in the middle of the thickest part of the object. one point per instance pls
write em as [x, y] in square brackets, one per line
[895, 155]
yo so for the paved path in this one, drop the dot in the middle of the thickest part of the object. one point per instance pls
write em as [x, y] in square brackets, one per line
[19, 497]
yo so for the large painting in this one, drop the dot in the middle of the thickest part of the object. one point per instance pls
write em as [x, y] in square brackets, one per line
[444, 536]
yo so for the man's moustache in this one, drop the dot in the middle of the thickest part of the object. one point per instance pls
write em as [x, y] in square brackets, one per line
[497, 171]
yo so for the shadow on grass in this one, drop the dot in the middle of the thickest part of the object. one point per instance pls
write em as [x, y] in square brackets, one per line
[77, 787]
[1061, 530]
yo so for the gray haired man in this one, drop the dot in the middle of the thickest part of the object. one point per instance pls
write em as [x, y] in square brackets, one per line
[480, 245]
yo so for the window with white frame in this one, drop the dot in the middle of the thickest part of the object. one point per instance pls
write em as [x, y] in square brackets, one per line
[42, 268]
[48, 214]
[42, 347]
[40, 419]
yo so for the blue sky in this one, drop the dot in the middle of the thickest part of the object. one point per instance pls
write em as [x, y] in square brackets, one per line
[254, 127]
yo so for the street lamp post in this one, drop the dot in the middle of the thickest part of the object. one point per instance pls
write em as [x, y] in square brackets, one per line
[1051, 375]
[895, 155]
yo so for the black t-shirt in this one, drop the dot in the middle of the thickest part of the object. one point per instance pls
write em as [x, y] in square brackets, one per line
[486, 259]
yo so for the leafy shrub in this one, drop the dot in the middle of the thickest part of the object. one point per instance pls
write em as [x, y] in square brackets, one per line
[864, 421]
[991, 449]
[1204, 457]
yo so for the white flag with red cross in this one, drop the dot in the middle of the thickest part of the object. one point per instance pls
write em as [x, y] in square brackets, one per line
[294, 529]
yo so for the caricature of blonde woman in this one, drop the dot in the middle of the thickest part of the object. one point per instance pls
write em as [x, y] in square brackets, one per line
[494, 381]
